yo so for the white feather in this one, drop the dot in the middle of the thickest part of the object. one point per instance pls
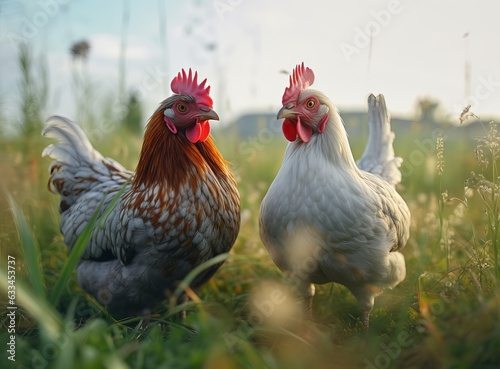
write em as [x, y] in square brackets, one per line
[73, 145]
[321, 200]
[378, 157]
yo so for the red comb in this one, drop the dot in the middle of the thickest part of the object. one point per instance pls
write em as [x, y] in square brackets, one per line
[301, 78]
[187, 84]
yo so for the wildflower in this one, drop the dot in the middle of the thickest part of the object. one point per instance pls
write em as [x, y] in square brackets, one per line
[492, 141]
[483, 265]
[481, 159]
[440, 154]
[481, 184]
[466, 114]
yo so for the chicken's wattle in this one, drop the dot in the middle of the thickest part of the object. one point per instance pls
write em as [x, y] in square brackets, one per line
[198, 132]
[291, 130]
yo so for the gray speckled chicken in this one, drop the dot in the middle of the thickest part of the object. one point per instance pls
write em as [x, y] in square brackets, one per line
[326, 218]
[179, 209]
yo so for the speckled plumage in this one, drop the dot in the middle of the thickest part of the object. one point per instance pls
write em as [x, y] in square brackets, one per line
[162, 227]
[324, 219]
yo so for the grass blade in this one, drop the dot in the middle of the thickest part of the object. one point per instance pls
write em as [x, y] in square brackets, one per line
[30, 249]
[36, 306]
[74, 258]
[200, 268]
[81, 243]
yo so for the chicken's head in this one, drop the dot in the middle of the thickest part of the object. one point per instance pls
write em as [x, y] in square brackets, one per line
[190, 109]
[303, 111]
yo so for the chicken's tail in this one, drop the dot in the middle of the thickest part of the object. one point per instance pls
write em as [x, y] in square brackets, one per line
[378, 157]
[77, 167]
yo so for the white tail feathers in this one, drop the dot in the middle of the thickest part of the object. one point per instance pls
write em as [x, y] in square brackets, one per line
[77, 167]
[378, 157]
[73, 170]
[73, 146]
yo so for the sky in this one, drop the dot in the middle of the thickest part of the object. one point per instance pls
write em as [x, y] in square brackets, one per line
[405, 49]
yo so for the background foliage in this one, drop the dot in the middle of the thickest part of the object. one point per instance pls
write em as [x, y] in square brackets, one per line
[445, 314]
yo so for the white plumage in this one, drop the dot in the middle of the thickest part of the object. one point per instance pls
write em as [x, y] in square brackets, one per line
[326, 219]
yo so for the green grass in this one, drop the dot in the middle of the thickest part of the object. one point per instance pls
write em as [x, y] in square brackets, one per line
[445, 314]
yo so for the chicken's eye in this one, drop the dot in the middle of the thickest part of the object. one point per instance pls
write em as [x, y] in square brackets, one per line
[310, 104]
[181, 108]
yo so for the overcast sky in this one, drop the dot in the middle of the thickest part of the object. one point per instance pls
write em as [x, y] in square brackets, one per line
[243, 47]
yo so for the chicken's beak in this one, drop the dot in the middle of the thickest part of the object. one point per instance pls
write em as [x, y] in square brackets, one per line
[207, 114]
[287, 113]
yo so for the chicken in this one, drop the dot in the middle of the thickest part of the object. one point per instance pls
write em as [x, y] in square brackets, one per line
[179, 209]
[325, 218]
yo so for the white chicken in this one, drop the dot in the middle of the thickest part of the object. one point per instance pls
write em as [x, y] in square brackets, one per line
[326, 218]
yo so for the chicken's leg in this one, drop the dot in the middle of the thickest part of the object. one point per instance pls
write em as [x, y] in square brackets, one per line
[365, 319]
[306, 291]
[366, 299]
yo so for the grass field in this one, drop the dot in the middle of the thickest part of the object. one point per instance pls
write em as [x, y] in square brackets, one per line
[445, 314]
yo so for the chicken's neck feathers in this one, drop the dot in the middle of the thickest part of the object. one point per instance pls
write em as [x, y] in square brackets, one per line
[331, 145]
[169, 162]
